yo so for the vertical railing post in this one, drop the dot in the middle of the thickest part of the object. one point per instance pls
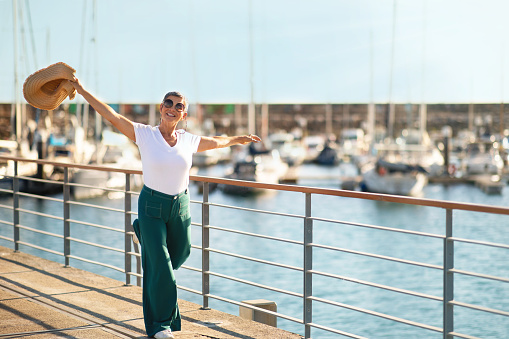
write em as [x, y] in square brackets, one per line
[128, 229]
[205, 254]
[448, 324]
[67, 216]
[308, 266]
[15, 206]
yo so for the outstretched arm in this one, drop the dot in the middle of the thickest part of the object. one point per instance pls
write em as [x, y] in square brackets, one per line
[207, 143]
[124, 125]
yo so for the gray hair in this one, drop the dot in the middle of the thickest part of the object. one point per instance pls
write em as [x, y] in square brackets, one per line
[178, 95]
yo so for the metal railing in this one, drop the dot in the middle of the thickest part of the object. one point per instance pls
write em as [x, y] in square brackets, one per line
[307, 244]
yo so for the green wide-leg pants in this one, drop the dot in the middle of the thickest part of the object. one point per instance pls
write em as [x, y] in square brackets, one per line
[163, 230]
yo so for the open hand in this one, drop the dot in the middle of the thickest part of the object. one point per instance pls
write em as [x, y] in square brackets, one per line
[251, 138]
[76, 84]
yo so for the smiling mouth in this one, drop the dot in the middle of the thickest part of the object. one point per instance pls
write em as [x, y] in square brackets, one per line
[170, 115]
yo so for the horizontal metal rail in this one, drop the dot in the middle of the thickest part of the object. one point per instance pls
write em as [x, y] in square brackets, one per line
[6, 238]
[74, 221]
[257, 211]
[382, 228]
[41, 248]
[480, 308]
[384, 287]
[76, 203]
[134, 254]
[40, 214]
[196, 247]
[40, 197]
[246, 282]
[378, 314]
[135, 274]
[479, 275]
[41, 231]
[104, 189]
[477, 242]
[190, 290]
[6, 207]
[96, 263]
[333, 330]
[261, 236]
[6, 191]
[45, 181]
[377, 256]
[96, 245]
[260, 261]
[189, 268]
[460, 335]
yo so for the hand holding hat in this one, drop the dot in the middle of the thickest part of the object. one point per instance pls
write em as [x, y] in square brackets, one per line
[48, 87]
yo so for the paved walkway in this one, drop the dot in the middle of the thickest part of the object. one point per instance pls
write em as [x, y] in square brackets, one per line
[43, 299]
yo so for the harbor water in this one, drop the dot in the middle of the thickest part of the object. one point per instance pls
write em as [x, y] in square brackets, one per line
[484, 227]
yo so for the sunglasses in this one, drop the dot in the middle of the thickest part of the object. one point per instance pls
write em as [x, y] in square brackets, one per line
[168, 103]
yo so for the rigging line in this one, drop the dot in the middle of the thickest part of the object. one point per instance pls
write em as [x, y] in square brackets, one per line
[502, 72]
[371, 66]
[423, 68]
[83, 27]
[392, 49]
[392, 113]
[31, 31]
[15, 109]
[192, 45]
[251, 123]
[23, 40]
[94, 46]
[251, 52]
[15, 41]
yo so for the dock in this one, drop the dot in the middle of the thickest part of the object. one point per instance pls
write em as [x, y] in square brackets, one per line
[489, 186]
[43, 299]
[487, 183]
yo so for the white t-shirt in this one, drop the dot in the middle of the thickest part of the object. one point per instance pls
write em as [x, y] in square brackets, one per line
[165, 168]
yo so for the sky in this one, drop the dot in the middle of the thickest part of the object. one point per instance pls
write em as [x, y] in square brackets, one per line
[264, 51]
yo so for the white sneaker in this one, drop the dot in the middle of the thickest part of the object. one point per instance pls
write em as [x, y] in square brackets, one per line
[164, 334]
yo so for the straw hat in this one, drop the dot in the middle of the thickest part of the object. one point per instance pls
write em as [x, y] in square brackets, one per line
[48, 87]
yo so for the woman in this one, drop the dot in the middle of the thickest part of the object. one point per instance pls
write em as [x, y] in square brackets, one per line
[163, 206]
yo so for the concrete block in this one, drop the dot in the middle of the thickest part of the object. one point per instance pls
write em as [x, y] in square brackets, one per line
[264, 318]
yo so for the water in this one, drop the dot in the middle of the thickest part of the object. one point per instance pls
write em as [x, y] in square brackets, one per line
[430, 220]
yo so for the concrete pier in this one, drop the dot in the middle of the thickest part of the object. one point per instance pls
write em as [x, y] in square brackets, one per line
[44, 299]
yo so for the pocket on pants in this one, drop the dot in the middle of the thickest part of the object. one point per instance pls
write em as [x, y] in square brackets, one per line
[184, 208]
[153, 209]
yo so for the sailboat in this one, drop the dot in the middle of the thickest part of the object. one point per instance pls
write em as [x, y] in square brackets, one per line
[393, 178]
[401, 165]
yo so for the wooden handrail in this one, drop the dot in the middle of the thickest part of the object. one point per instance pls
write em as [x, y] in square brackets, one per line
[295, 188]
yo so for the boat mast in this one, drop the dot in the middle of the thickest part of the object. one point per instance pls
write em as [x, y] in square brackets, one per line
[251, 127]
[501, 112]
[16, 108]
[423, 114]
[370, 130]
[392, 110]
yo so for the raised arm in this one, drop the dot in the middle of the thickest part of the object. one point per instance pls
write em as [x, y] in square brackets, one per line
[124, 125]
[207, 143]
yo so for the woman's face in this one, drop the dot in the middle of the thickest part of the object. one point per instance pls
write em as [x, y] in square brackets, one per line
[173, 109]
